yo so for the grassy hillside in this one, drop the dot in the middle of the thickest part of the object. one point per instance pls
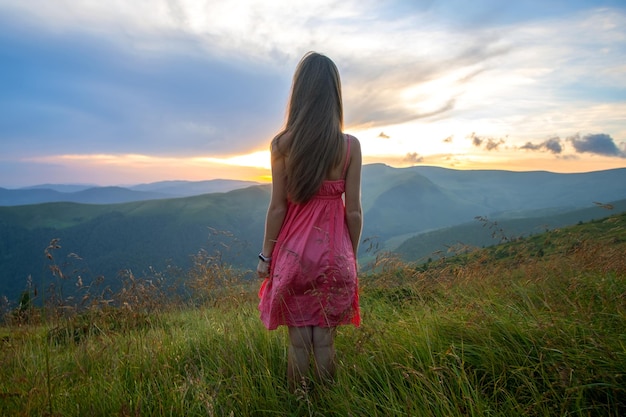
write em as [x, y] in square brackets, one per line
[530, 328]
[491, 231]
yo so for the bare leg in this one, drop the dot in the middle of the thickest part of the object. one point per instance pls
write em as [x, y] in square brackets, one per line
[300, 347]
[324, 353]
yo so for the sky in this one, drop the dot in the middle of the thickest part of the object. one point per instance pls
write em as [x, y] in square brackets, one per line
[120, 93]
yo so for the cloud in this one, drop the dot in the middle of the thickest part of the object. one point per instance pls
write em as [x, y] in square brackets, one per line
[207, 78]
[413, 158]
[599, 144]
[489, 144]
[124, 78]
[423, 87]
[493, 144]
[476, 141]
[552, 145]
[64, 93]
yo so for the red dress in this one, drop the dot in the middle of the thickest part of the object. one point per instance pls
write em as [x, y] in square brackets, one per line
[313, 276]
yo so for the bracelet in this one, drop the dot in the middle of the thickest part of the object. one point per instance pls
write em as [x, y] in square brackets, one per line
[264, 258]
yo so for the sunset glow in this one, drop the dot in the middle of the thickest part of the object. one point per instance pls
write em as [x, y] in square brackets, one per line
[149, 91]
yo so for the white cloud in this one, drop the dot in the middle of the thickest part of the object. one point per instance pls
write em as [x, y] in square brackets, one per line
[411, 73]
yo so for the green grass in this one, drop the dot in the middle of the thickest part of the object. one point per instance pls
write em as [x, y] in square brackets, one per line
[497, 332]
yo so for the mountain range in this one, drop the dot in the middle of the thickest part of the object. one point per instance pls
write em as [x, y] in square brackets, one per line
[414, 211]
[90, 194]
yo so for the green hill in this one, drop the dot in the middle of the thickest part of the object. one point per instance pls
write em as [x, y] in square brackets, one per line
[491, 231]
[102, 240]
[533, 327]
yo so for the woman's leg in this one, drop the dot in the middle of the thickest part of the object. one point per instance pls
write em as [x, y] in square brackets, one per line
[300, 347]
[324, 352]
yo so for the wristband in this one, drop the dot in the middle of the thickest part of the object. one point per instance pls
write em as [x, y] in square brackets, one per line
[265, 259]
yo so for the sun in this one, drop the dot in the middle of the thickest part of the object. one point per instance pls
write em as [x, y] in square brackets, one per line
[259, 159]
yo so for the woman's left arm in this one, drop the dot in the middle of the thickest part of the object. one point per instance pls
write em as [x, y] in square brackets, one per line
[276, 210]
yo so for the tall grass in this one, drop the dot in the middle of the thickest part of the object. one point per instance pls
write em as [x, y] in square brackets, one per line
[505, 331]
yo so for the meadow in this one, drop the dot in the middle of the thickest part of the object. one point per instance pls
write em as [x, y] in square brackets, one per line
[533, 327]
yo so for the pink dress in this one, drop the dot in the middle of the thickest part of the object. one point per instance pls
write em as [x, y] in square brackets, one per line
[313, 276]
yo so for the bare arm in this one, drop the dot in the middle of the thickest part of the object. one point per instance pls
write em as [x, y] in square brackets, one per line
[276, 210]
[354, 212]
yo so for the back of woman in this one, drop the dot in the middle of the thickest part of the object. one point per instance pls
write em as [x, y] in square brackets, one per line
[308, 260]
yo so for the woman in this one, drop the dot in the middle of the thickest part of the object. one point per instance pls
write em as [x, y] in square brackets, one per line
[308, 260]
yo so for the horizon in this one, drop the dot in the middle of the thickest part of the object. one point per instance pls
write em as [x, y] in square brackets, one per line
[267, 182]
[168, 90]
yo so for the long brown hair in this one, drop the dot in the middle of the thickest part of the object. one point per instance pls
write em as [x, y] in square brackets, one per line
[315, 124]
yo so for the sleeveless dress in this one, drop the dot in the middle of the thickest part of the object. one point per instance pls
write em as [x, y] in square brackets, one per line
[313, 275]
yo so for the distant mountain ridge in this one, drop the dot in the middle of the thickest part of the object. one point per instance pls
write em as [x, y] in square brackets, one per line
[88, 194]
[399, 201]
[179, 188]
[401, 206]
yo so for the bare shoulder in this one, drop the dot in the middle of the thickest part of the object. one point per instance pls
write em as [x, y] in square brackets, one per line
[355, 145]
[280, 145]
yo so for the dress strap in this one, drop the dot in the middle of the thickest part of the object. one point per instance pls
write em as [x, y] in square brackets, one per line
[345, 166]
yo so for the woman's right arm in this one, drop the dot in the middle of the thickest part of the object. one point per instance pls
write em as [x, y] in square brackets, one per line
[354, 212]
